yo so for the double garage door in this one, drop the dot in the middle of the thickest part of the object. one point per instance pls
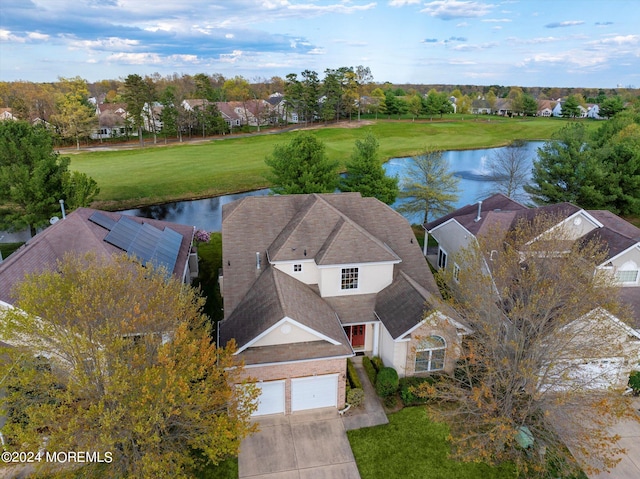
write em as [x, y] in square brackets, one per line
[306, 393]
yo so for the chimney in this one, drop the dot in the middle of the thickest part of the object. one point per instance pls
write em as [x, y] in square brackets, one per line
[479, 217]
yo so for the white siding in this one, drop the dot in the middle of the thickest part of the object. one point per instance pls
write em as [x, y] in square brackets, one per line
[393, 353]
[286, 333]
[309, 274]
[372, 278]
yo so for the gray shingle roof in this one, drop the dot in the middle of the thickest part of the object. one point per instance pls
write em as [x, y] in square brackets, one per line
[76, 234]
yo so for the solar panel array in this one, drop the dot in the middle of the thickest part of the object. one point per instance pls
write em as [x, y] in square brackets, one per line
[145, 242]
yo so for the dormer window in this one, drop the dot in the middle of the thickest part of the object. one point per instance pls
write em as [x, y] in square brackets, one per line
[297, 268]
[349, 279]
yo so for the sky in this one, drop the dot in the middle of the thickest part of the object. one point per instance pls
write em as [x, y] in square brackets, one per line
[563, 43]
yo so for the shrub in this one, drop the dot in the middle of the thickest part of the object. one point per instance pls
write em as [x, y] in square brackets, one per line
[202, 236]
[387, 382]
[634, 382]
[390, 401]
[377, 363]
[370, 370]
[352, 375]
[408, 396]
[355, 397]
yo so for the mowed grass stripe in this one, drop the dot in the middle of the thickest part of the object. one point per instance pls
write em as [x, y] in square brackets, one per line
[152, 175]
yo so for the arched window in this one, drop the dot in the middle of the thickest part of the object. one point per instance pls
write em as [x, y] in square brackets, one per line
[430, 354]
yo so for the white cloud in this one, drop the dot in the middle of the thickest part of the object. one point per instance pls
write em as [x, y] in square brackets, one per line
[496, 20]
[135, 58]
[229, 36]
[450, 9]
[569, 23]
[317, 51]
[468, 47]
[402, 3]
[37, 36]
[618, 40]
[231, 57]
[112, 43]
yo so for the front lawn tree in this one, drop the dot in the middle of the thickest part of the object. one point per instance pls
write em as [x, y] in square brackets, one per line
[429, 187]
[112, 356]
[34, 178]
[518, 395]
[571, 107]
[302, 166]
[366, 174]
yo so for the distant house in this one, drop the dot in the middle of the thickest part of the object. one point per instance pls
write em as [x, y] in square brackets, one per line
[112, 121]
[310, 280]
[593, 111]
[498, 214]
[480, 106]
[6, 114]
[503, 107]
[545, 108]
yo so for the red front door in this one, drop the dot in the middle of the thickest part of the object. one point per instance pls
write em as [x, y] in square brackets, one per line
[355, 335]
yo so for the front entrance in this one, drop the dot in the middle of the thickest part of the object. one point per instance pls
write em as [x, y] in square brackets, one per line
[356, 335]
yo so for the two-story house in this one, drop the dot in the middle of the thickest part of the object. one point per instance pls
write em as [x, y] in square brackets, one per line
[311, 280]
[498, 214]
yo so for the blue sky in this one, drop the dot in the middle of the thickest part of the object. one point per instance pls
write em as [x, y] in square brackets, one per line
[566, 43]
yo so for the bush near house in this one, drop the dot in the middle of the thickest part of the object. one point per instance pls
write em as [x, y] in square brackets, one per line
[407, 388]
[355, 397]
[352, 376]
[370, 369]
[634, 382]
[387, 382]
[377, 363]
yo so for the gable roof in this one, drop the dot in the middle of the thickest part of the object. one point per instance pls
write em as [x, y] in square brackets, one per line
[329, 229]
[77, 234]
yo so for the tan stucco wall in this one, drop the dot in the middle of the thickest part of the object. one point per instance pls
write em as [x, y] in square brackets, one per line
[434, 326]
[309, 274]
[288, 371]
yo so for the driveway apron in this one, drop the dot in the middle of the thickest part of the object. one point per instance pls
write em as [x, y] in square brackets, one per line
[304, 445]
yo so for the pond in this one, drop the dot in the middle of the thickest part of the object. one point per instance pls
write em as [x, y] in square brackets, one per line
[468, 165]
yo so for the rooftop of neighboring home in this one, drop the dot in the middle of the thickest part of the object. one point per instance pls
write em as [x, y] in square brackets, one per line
[104, 233]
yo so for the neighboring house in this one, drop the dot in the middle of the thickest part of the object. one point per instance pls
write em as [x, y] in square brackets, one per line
[503, 107]
[593, 111]
[498, 214]
[6, 114]
[112, 121]
[311, 280]
[104, 233]
[545, 108]
[453, 101]
[480, 106]
[232, 115]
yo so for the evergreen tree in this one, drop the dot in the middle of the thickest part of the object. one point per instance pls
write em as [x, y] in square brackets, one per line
[366, 174]
[302, 166]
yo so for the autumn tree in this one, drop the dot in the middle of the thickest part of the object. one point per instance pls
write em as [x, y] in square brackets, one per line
[521, 392]
[302, 166]
[75, 117]
[377, 102]
[365, 173]
[428, 186]
[112, 356]
[34, 178]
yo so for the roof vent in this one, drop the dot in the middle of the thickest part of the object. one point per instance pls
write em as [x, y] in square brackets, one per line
[257, 260]
[479, 217]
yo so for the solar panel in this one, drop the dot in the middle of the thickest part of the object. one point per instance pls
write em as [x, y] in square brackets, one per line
[102, 220]
[123, 233]
[145, 242]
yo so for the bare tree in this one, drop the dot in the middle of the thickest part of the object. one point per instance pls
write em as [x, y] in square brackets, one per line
[509, 170]
[530, 382]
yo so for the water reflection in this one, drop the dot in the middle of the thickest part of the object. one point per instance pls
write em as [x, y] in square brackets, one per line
[469, 166]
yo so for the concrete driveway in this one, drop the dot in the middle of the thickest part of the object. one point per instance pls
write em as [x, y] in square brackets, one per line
[629, 431]
[305, 445]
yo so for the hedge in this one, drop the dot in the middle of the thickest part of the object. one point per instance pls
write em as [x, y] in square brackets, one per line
[370, 370]
[387, 382]
[634, 382]
[409, 398]
[355, 397]
[377, 363]
[352, 375]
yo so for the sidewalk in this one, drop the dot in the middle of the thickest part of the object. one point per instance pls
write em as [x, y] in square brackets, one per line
[371, 413]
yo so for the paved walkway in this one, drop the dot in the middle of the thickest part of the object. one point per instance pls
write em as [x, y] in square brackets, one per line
[629, 431]
[371, 413]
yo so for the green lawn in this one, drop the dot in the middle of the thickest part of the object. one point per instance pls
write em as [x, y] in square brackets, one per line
[412, 446]
[150, 175]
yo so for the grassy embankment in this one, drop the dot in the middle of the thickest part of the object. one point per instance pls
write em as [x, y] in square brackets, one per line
[129, 178]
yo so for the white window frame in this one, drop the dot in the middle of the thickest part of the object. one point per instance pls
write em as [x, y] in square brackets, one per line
[456, 272]
[431, 360]
[628, 268]
[442, 258]
[297, 268]
[348, 283]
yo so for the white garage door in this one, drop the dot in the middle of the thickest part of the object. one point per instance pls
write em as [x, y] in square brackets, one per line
[271, 399]
[314, 392]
